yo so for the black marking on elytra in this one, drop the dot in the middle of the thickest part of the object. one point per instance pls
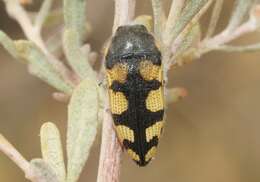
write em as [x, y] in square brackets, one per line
[137, 117]
[134, 147]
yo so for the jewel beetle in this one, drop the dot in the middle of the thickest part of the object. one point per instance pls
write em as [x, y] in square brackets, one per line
[135, 87]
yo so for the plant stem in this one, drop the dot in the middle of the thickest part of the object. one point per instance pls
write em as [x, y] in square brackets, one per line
[111, 150]
[246, 48]
[8, 149]
[124, 12]
[227, 36]
[110, 154]
[159, 18]
[175, 13]
[214, 17]
[17, 12]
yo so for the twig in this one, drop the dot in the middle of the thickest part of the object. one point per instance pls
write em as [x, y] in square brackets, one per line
[190, 14]
[110, 154]
[241, 9]
[8, 149]
[43, 13]
[175, 12]
[124, 12]
[227, 36]
[159, 18]
[17, 12]
[214, 18]
[187, 29]
[247, 48]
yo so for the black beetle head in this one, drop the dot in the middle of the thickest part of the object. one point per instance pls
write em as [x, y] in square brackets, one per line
[132, 39]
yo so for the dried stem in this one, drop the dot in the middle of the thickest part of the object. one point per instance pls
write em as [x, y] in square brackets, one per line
[247, 48]
[110, 154]
[17, 12]
[8, 149]
[177, 42]
[214, 17]
[42, 15]
[241, 9]
[227, 36]
[124, 12]
[159, 18]
[111, 150]
[175, 13]
[188, 27]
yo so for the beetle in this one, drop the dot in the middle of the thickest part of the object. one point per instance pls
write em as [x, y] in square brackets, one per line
[135, 85]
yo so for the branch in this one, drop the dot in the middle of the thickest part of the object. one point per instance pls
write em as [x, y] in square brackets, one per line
[227, 36]
[43, 13]
[192, 14]
[8, 149]
[191, 23]
[174, 15]
[124, 13]
[17, 12]
[110, 154]
[189, 16]
[241, 9]
[214, 18]
[32, 172]
[159, 18]
[247, 48]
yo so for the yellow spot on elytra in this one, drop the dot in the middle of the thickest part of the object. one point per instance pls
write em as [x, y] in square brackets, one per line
[118, 102]
[149, 71]
[117, 73]
[154, 130]
[134, 155]
[154, 101]
[125, 133]
[150, 154]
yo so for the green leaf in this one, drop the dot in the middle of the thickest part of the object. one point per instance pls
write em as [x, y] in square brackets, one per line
[75, 31]
[42, 172]
[77, 60]
[40, 67]
[8, 44]
[191, 9]
[191, 39]
[52, 149]
[159, 17]
[82, 126]
[75, 16]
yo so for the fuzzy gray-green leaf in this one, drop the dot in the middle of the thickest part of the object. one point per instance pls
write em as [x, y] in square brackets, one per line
[193, 37]
[77, 60]
[42, 172]
[82, 126]
[8, 44]
[75, 16]
[40, 67]
[52, 149]
[190, 10]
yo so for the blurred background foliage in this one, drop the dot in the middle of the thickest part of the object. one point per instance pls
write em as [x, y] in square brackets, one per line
[211, 135]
